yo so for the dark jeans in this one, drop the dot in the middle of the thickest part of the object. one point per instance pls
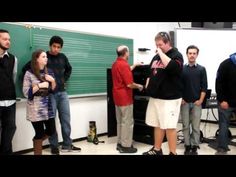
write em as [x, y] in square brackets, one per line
[40, 131]
[224, 121]
[8, 128]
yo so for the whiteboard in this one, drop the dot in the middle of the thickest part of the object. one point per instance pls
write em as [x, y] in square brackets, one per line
[214, 47]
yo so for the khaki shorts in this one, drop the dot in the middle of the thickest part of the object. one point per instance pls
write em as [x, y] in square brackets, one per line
[163, 113]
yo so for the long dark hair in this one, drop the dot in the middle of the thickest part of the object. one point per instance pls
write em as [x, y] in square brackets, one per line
[35, 66]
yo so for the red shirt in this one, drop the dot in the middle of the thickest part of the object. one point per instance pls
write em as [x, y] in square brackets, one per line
[121, 77]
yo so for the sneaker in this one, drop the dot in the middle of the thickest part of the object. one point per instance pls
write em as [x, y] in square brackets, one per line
[153, 151]
[221, 151]
[55, 151]
[127, 149]
[71, 149]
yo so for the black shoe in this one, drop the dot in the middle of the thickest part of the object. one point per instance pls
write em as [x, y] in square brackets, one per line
[171, 153]
[194, 150]
[221, 151]
[152, 151]
[187, 150]
[71, 149]
[118, 146]
[127, 149]
[55, 151]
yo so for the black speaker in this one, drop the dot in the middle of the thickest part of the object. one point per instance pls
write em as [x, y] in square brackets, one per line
[143, 133]
[140, 75]
[140, 106]
[217, 24]
[212, 25]
[197, 24]
[111, 110]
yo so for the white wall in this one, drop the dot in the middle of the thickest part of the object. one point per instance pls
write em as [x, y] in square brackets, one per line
[211, 52]
[84, 110]
[143, 33]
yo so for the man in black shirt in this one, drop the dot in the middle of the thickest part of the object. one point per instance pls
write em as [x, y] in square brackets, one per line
[164, 87]
[194, 79]
[8, 69]
[61, 67]
[226, 96]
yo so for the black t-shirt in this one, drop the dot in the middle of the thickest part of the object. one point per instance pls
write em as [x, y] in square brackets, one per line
[226, 82]
[165, 82]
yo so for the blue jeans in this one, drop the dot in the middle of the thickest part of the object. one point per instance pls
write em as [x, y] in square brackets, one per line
[60, 102]
[224, 121]
[8, 128]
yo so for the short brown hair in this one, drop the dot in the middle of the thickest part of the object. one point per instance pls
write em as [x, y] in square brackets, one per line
[192, 47]
[164, 36]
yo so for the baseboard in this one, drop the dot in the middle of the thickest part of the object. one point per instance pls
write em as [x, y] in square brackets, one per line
[21, 152]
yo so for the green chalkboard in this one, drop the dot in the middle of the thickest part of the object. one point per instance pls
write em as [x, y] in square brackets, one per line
[90, 55]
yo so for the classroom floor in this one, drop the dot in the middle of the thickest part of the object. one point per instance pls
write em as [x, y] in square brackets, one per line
[109, 147]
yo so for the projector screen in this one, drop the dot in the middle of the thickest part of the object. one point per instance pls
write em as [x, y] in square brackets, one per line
[214, 47]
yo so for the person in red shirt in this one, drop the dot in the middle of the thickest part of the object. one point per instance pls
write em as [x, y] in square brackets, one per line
[123, 98]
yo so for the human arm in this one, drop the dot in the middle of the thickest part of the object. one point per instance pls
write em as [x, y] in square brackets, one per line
[175, 65]
[30, 87]
[201, 99]
[220, 86]
[127, 78]
[136, 64]
[164, 58]
[203, 85]
[68, 69]
[15, 70]
[135, 86]
[147, 82]
[50, 79]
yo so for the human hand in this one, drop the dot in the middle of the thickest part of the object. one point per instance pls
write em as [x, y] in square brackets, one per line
[43, 85]
[159, 51]
[198, 102]
[139, 63]
[140, 87]
[183, 102]
[49, 78]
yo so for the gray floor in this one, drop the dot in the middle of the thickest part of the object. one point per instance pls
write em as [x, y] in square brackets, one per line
[109, 147]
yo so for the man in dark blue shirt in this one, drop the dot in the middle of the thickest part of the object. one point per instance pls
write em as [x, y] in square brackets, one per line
[194, 79]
